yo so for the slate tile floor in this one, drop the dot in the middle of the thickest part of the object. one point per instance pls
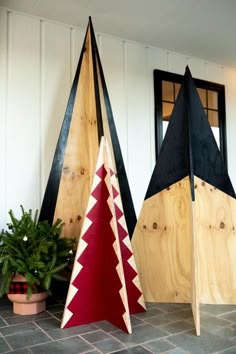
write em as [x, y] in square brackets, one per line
[164, 328]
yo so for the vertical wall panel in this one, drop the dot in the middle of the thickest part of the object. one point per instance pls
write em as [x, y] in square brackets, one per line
[214, 73]
[77, 39]
[196, 67]
[177, 63]
[156, 59]
[23, 130]
[3, 88]
[56, 76]
[112, 57]
[137, 89]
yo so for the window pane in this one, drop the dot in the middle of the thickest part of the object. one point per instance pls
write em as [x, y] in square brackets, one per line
[202, 93]
[167, 109]
[177, 88]
[213, 118]
[167, 91]
[212, 99]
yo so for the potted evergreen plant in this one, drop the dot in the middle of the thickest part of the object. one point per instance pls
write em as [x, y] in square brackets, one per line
[32, 253]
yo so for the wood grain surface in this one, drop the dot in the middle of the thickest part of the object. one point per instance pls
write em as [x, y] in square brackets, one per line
[216, 237]
[81, 152]
[161, 245]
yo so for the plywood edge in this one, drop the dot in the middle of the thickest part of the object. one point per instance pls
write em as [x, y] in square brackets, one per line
[195, 301]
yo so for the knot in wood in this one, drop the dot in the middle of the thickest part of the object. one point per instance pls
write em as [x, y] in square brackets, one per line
[222, 225]
[154, 225]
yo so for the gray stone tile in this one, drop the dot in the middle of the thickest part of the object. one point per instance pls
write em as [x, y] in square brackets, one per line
[20, 351]
[136, 321]
[228, 351]
[105, 326]
[55, 308]
[231, 316]
[58, 315]
[179, 315]
[177, 351]
[176, 327]
[73, 345]
[150, 305]
[159, 320]
[3, 346]
[7, 312]
[226, 332]
[206, 343]
[140, 334]
[2, 323]
[209, 322]
[95, 336]
[171, 317]
[21, 340]
[72, 331]
[149, 313]
[172, 307]
[48, 324]
[134, 350]
[20, 328]
[217, 309]
[27, 318]
[108, 345]
[158, 346]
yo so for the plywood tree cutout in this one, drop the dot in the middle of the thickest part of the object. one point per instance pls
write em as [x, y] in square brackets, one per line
[88, 116]
[186, 232]
[104, 283]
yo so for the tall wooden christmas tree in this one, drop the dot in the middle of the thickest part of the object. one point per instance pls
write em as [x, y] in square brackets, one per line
[88, 116]
[185, 238]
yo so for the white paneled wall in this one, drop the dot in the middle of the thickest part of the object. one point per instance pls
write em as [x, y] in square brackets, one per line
[55, 83]
[3, 92]
[22, 119]
[38, 59]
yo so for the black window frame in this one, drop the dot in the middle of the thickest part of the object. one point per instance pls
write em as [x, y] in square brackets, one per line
[159, 76]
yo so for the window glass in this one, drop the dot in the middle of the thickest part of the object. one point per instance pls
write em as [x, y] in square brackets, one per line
[212, 99]
[203, 96]
[167, 110]
[168, 91]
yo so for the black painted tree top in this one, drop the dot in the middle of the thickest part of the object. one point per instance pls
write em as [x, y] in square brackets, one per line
[50, 197]
[189, 147]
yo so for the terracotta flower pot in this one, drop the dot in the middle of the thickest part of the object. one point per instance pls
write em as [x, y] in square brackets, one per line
[23, 306]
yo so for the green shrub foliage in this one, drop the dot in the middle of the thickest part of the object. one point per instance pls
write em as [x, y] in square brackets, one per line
[35, 250]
